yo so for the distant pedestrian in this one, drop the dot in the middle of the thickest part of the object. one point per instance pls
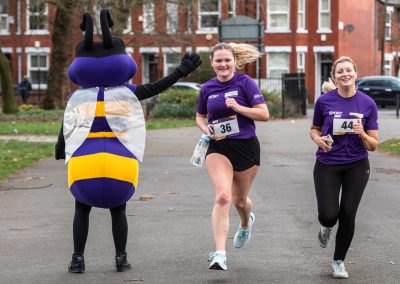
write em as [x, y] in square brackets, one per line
[345, 128]
[228, 105]
[24, 87]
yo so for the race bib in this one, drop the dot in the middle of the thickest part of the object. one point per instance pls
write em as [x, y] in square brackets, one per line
[225, 127]
[342, 126]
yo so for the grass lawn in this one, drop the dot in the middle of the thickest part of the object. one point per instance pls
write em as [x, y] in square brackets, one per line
[392, 146]
[15, 155]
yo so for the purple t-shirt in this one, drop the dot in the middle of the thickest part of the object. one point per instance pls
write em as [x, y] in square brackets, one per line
[243, 89]
[336, 115]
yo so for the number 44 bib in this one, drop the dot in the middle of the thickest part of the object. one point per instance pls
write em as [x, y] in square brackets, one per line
[225, 127]
[342, 126]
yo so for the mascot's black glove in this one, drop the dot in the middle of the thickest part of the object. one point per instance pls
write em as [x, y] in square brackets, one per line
[189, 63]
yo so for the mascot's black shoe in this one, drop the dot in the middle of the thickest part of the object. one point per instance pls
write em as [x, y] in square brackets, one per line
[121, 263]
[77, 264]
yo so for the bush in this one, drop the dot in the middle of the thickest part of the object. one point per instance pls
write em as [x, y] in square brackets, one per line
[274, 103]
[175, 104]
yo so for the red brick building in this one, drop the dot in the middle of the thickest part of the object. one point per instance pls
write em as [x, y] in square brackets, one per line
[297, 36]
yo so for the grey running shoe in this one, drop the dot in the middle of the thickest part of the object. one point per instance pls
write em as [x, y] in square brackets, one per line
[339, 271]
[324, 236]
[217, 261]
[243, 235]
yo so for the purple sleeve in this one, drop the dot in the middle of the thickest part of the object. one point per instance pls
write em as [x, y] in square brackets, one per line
[318, 118]
[253, 93]
[372, 120]
[202, 105]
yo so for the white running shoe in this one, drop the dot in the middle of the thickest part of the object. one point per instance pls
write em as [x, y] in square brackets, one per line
[339, 271]
[217, 261]
[242, 235]
[324, 236]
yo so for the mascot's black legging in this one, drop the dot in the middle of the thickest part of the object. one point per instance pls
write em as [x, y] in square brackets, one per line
[328, 180]
[81, 227]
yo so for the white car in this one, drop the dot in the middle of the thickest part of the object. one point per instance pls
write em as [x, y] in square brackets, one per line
[186, 86]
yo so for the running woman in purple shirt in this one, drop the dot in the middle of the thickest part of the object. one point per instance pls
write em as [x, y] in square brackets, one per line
[227, 108]
[345, 128]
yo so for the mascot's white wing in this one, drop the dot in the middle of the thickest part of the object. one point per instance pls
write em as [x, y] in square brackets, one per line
[78, 119]
[125, 117]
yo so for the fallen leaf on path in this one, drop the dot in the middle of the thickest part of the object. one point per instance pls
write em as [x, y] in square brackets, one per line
[146, 197]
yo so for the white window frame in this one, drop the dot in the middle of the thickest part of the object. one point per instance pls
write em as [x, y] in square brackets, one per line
[6, 19]
[301, 14]
[320, 13]
[148, 18]
[232, 13]
[388, 22]
[388, 64]
[30, 31]
[301, 61]
[283, 29]
[269, 68]
[168, 51]
[32, 51]
[172, 17]
[200, 14]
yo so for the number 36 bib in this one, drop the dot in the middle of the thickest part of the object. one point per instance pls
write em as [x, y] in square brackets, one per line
[342, 126]
[225, 127]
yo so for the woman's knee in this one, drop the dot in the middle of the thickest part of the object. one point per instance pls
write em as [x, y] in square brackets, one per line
[223, 198]
[239, 203]
[327, 220]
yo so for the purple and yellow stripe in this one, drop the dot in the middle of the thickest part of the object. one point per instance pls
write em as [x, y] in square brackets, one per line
[102, 172]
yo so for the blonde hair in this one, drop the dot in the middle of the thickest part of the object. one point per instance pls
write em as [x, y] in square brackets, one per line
[244, 53]
[328, 86]
[340, 60]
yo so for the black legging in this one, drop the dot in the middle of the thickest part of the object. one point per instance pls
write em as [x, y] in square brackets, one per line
[328, 180]
[81, 227]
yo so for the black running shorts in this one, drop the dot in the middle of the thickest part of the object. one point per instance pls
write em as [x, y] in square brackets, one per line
[242, 153]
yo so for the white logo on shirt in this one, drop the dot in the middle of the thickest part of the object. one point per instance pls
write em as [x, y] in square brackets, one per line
[211, 97]
[335, 113]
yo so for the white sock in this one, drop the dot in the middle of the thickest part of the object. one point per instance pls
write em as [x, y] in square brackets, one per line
[221, 252]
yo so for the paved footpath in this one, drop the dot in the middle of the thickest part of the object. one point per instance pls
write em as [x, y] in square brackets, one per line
[170, 235]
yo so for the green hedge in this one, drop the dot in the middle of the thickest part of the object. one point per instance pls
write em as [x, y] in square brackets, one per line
[183, 104]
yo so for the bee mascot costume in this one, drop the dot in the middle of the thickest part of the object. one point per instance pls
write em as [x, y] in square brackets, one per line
[103, 134]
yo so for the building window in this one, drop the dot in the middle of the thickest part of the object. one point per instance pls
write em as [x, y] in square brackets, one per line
[171, 61]
[172, 17]
[37, 17]
[301, 67]
[277, 64]
[231, 8]
[148, 18]
[4, 17]
[38, 69]
[278, 12]
[388, 23]
[208, 15]
[324, 19]
[301, 15]
[388, 66]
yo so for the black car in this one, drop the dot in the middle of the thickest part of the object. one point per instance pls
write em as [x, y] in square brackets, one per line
[382, 89]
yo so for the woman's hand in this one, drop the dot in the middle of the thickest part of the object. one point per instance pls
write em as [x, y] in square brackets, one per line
[359, 129]
[323, 142]
[231, 103]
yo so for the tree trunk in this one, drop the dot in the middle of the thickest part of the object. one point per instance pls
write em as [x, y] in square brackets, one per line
[7, 89]
[58, 86]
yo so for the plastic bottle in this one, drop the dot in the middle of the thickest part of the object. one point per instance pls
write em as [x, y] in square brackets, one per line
[200, 150]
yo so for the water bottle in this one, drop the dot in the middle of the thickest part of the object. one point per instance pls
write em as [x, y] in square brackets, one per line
[200, 151]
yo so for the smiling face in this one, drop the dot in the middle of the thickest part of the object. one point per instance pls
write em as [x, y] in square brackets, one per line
[345, 74]
[223, 62]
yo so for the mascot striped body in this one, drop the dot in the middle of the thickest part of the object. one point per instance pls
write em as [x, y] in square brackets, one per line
[104, 128]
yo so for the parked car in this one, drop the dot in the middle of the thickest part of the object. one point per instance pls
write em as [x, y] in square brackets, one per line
[382, 89]
[186, 86]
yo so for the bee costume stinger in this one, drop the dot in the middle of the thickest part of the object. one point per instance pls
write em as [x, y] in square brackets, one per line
[103, 134]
